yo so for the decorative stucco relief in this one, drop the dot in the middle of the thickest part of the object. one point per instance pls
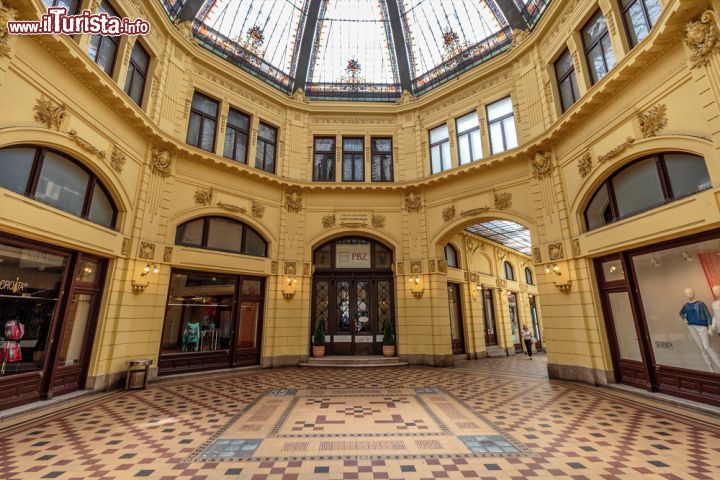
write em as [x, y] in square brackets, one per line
[703, 39]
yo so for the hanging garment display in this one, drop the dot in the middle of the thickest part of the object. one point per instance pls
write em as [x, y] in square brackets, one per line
[191, 336]
[14, 330]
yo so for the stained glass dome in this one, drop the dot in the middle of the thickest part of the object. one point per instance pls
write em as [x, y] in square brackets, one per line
[356, 49]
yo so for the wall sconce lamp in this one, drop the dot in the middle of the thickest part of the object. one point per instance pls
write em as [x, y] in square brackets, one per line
[416, 286]
[139, 287]
[555, 268]
[289, 287]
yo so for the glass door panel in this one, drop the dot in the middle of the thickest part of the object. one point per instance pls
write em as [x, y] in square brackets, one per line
[456, 331]
[363, 335]
[489, 312]
[624, 322]
[514, 321]
[70, 349]
[341, 337]
[246, 343]
[384, 309]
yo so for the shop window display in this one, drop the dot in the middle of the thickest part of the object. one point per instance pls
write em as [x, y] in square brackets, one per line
[679, 290]
[30, 285]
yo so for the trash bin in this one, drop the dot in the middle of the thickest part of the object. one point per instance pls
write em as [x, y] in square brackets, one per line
[136, 376]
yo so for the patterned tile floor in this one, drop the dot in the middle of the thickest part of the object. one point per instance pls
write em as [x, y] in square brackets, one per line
[486, 419]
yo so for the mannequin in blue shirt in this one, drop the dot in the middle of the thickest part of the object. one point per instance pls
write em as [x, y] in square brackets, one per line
[698, 319]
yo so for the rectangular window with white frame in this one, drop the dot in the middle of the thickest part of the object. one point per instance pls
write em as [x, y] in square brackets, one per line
[440, 149]
[501, 125]
[468, 138]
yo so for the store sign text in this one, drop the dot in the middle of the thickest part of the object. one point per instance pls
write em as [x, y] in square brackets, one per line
[14, 286]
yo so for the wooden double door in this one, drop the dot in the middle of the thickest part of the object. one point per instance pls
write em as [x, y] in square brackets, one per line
[354, 308]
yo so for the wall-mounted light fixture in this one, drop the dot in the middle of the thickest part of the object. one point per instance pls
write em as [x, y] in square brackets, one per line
[554, 268]
[289, 287]
[139, 287]
[564, 287]
[416, 285]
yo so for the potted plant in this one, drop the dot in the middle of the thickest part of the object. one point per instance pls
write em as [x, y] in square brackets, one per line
[388, 339]
[318, 343]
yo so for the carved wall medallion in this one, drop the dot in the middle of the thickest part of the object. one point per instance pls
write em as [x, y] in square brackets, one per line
[290, 268]
[167, 254]
[518, 37]
[257, 209]
[203, 196]
[49, 112]
[85, 145]
[577, 251]
[231, 208]
[537, 255]
[503, 200]
[629, 141]
[448, 213]
[274, 267]
[378, 220]
[652, 121]
[6, 15]
[161, 162]
[125, 248]
[413, 202]
[117, 159]
[293, 201]
[585, 164]
[415, 266]
[328, 221]
[146, 250]
[442, 266]
[703, 39]
[556, 251]
[542, 164]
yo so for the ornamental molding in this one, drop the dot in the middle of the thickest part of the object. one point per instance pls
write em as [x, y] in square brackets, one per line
[125, 247]
[257, 209]
[503, 200]
[7, 14]
[203, 196]
[448, 213]
[85, 145]
[274, 267]
[306, 269]
[299, 96]
[117, 159]
[629, 142]
[518, 37]
[703, 38]
[652, 121]
[50, 113]
[472, 246]
[406, 98]
[146, 250]
[167, 254]
[328, 221]
[293, 201]
[231, 208]
[290, 268]
[413, 202]
[577, 251]
[161, 162]
[556, 251]
[400, 267]
[378, 220]
[431, 265]
[442, 266]
[585, 164]
[416, 266]
[475, 211]
[542, 164]
[186, 30]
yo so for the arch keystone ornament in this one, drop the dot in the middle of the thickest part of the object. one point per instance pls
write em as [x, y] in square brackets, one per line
[293, 201]
[231, 208]
[161, 162]
[542, 164]
[413, 202]
[703, 39]
[85, 145]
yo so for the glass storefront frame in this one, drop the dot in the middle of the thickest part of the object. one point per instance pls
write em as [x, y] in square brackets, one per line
[54, 377]
[637, 365]
[237, 353]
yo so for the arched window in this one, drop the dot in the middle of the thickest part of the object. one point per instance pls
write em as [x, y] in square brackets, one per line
[645, 184]
[528, 276]
[57, 180]
[220, 233]
[451, 256]
[509, 271]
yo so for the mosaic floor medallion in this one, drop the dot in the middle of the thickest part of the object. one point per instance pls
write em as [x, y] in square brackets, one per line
[324, 424]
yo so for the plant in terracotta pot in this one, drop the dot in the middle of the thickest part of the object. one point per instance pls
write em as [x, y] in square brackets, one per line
[388, 339]
[318, 343]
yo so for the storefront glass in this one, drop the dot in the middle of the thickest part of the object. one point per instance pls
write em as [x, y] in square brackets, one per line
[682, 313]
[199, 313]
[30, 284]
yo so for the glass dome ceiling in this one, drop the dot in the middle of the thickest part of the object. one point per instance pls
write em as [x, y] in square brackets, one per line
[356, 49]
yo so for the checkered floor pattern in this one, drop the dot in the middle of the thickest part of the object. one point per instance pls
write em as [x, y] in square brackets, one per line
[566, 430]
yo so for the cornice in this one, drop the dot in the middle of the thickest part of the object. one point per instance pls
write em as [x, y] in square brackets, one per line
[66, 50]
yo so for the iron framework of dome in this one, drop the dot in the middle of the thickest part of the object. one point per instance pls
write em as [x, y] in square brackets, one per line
[369, 50]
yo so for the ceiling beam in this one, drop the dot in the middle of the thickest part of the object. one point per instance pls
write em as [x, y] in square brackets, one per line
[512, 14]
[306, 44]
[401, 46]
[190, 10]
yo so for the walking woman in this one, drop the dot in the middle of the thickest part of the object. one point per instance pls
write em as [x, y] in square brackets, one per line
[529, 340]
